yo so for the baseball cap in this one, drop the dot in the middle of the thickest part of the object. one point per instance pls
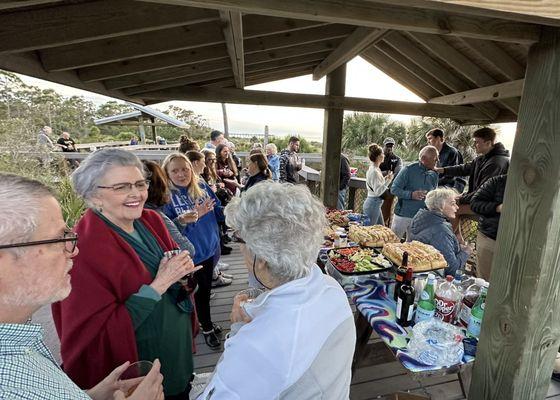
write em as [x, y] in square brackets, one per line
[389, 140]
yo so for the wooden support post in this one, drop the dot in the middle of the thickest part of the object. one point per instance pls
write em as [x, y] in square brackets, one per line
[351, 198]
[332, 139]
[141, 130]
[226, 126]
[153, 125]
[521, 327]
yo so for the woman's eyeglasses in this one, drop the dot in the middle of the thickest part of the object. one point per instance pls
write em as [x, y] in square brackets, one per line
[69, 238]
[126, 187]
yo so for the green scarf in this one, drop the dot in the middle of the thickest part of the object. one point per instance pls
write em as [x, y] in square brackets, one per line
[150, 253]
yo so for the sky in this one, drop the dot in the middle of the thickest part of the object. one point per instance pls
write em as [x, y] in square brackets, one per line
[362, 80]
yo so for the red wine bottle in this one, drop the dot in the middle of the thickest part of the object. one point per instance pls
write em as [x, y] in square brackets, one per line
[405, 301]
[401, 273]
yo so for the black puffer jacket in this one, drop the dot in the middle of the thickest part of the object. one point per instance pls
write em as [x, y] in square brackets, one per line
[484, 203]
[482, 168]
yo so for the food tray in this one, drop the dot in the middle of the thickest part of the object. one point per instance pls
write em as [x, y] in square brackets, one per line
[358, 273]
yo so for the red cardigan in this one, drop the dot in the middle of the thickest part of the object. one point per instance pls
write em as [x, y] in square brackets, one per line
[93, 323]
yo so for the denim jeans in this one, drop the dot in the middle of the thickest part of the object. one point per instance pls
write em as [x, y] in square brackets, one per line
[372, 208]
[401, 226]
[341, 204]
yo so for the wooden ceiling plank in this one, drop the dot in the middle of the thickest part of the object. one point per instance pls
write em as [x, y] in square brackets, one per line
[398, 73]
[153, 63]
[203, 68]
[347, 50]
[29, 64]
[434, 68]
[188, 80]
[238, 96]
[488, 93]
[535, 12]
[461, 63]
[496, 56]
[131, 46]
[419, 73]
[7, 4]
[383, 16]
[253, 25]
[172, 40]
[232, 27]
[76, 23]
[167, 74]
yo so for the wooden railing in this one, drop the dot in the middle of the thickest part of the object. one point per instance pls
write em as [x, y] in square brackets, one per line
[355, 195]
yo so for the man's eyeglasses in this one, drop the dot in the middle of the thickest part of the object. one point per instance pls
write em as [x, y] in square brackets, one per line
[69, 238]
[126, 187]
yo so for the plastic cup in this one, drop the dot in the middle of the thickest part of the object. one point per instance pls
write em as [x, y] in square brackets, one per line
[138, 369]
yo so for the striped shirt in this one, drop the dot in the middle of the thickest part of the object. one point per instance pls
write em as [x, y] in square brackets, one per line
[28, 370]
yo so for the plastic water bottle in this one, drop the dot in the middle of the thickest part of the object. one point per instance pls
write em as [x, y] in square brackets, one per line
[426, 306]
[477, 313]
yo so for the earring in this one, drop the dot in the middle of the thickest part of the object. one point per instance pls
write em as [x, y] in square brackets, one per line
[99, 208]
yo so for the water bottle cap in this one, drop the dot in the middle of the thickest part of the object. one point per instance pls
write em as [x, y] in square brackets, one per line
[449, 278]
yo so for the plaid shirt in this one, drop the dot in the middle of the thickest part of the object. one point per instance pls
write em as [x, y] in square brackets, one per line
[27, 368]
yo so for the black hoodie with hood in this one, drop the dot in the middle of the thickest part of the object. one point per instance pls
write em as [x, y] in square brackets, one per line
[482, 168]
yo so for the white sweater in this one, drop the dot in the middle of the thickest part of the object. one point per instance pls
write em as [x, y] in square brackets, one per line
[299, 345]
[376, 183]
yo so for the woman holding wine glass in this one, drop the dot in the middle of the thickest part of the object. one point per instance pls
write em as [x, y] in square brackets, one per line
[126, 303]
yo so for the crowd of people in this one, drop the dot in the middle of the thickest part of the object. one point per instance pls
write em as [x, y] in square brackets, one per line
[149, 253]
[431, 196]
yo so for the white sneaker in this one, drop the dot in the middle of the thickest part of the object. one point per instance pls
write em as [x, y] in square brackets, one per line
[557, 364]
[222, 266]
[198, 384]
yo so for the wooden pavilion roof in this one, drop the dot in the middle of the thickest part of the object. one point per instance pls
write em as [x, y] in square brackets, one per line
[446, 52]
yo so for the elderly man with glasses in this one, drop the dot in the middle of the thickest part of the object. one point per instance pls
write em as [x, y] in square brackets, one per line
[36, 252]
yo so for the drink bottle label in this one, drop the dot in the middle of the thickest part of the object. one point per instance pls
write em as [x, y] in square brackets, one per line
[425, 296]
[475, 324]
[465, 314]
[445, 309]
[423, 314]
[399, 310]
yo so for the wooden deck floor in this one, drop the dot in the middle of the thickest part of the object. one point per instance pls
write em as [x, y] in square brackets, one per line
[378, 376]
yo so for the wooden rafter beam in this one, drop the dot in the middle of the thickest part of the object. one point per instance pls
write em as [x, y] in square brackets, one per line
[6, 5]
[130, 46]
[496, 56]
[347, 50]
[216, 53]
[238, 96]
[66, 24]
[545, 12]
[419, 73]
[29, 64]
[165, 41]
[160, 81]
[400, 74]
[383, 16]
[489, 93]
[232, 26]
[438, 71]
[462, 64]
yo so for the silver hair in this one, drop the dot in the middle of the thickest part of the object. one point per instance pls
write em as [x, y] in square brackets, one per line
[94, 168]
[20, 204]
[281, 224]
[273, 147]
[435, 200]
[428, 149]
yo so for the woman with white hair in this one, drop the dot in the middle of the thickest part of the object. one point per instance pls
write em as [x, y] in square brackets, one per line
[432, 226]
[273, 161]
[297, 340]
[127, 303]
